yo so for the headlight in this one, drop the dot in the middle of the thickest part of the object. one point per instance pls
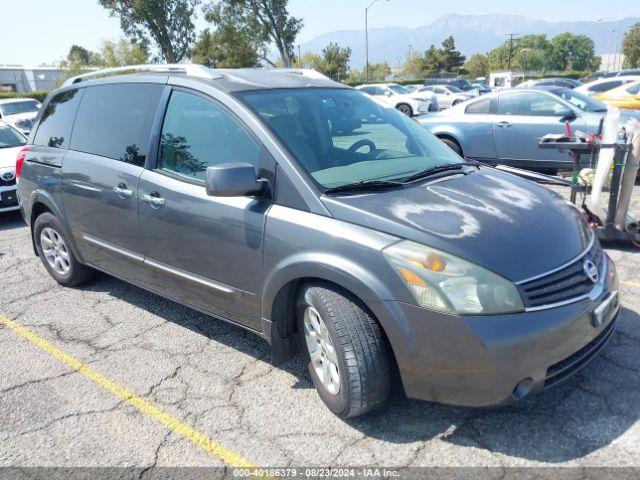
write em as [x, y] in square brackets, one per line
[441, 281]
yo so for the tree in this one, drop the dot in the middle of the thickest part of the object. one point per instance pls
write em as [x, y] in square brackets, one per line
[631, 47]
[269, 22]
[529, 51]
[168, 23]
[413, 63]
[79, 54]
[433, 60]
[334, 61]
[572, 52]
[477, 65]
[452, 59]
[123, 52]
[226, 47]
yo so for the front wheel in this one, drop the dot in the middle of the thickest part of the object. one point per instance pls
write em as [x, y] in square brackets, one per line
[406, 109]
[346, 350]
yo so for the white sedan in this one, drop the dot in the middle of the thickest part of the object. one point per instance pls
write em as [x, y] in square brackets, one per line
[19, 113]
[448, 95]
[11, 142]
[605, 84]
[398, 97]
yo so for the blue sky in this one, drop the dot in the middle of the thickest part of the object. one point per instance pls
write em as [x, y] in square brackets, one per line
[37, 31]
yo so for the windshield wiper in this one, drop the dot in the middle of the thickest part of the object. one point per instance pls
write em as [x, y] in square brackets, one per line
[439, 169]
[363, 185]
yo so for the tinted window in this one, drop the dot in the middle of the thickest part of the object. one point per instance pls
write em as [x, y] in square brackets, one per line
[54, 129]
[481, 106]
[115, 121]
[634, 89]
[604, 86]
[10, 137]
[198, 133]
[529, 103]
[23, 106]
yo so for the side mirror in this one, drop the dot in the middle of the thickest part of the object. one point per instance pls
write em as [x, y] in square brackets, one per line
[388, 93]
[566, 113]
[233, 180]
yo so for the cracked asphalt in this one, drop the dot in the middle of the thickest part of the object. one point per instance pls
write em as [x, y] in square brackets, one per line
[217, 379]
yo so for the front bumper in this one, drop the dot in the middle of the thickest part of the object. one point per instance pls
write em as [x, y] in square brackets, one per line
[496, 360]
[8, 197]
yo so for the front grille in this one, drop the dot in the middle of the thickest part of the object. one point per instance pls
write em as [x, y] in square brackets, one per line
[566, 284]
[570, 365]
[7, 183]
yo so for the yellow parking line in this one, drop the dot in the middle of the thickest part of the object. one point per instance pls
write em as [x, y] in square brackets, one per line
[630, 284]
[227, 456]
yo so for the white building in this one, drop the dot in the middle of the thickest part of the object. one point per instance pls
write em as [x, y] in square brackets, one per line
[20, 78]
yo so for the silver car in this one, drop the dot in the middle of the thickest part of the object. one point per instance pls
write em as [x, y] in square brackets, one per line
[505, 126]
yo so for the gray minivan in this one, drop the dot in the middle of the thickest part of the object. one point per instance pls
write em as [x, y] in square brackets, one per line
[326, 223]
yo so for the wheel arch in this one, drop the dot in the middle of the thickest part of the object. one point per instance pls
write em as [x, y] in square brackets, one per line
[281, 289]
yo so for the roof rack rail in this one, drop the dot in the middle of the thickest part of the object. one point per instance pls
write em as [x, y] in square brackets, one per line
[190, 69]
[305, 72]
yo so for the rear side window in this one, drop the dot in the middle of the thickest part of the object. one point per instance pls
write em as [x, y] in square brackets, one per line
[54, 129]
[634, 89]
[198, 133]
[604, 86]
[481, 106]
[115, 121]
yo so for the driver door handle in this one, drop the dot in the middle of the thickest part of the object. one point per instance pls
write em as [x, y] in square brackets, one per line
[504, 124]
[122, 191]
[154, 199]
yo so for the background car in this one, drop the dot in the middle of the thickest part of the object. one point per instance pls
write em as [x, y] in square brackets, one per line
[622, 73]
[447, 95]
[398, 97]
[19, 112]
[625, 96]
[605, 84]
[461, 83]
[550, 82]
[428, 96]
[11, 141]
[505, 126]
[483, 88]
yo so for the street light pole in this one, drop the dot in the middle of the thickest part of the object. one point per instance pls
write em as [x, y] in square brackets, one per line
[366, 40]
[615, 58]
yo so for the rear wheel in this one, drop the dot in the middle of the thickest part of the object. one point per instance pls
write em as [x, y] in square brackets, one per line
[456, 102]
[347, 353]
[406, 109]
[56, 255]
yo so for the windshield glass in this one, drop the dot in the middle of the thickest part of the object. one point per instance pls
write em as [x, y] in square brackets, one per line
[14, 108]
[398, 89]
[10, 137]
[454, 89]
[581, 101]
[464, 84]
[341, 136]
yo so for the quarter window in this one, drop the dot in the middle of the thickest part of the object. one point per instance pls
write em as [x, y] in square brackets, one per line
[481, 106]
[54, 128]
[115, 121]
[197, 133]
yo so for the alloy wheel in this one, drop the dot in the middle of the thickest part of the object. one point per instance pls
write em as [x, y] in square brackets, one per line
[323, 354]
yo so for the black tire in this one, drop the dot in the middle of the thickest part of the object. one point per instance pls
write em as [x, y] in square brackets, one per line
[405, 108]
[362, 352]
[456, 102]
[77, 273]
[453, 145]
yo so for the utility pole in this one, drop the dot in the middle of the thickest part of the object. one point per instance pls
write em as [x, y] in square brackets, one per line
[299, 57]
[511, 35]
[366, 40]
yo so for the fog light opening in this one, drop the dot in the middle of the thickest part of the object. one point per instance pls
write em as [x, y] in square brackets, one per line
[523, 388]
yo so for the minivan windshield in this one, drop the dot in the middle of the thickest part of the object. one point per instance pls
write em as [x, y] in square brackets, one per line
[10, 137]
[342, 136]
[23, 106]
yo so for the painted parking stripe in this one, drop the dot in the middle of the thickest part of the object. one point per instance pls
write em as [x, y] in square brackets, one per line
[174, 424]
[630, 284]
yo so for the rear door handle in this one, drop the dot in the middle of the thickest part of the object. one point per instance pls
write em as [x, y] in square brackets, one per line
[154, 200]
[504, 124]
[122, 191]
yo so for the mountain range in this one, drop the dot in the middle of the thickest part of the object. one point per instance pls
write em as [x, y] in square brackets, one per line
[472, 33]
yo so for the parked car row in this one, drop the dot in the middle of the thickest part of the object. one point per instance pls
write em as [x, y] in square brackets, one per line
[11, 141]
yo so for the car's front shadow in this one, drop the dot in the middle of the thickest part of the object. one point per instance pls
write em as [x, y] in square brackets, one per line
[586, 413]
[11, 221]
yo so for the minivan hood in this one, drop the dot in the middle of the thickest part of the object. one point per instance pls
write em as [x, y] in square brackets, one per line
[501, 222]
